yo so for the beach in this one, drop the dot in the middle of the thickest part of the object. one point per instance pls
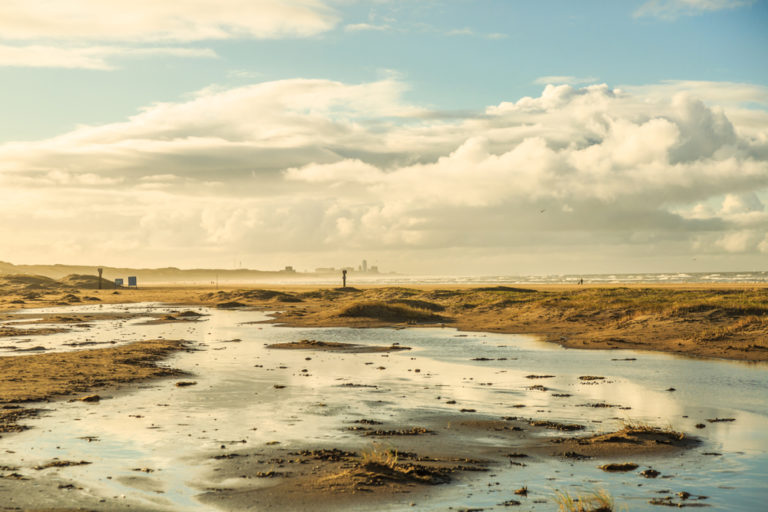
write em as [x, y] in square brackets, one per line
[360, 457]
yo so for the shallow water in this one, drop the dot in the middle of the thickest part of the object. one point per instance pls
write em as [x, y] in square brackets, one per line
[168, 429]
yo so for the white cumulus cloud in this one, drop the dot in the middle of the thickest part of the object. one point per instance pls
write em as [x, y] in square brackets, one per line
[92, 34]
[151, 20]
[319, 168]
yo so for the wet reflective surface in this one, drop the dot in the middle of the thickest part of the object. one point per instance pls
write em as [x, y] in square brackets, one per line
[153, 442]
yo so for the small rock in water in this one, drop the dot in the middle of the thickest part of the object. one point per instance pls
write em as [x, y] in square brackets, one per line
[619, 466]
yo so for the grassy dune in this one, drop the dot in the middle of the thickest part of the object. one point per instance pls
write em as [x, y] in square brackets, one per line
[711, 321]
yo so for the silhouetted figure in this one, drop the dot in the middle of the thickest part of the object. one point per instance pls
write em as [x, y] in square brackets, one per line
[581, 281]
[344, 278]
[100, 271]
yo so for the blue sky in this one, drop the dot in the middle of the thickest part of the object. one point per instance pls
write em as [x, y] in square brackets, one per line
[454, 55]
[234, 110]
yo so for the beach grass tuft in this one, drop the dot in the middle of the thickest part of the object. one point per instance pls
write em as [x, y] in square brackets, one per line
[380, 310]
[378, 456]
[597, 501]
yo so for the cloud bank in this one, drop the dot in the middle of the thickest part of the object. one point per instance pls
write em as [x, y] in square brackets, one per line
[84, 34]
[153, 21]
[310, 171]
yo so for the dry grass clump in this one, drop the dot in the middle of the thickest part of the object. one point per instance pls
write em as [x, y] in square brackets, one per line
[508, 289]
[597, 501]
[668, 303]
[378, 456]
[23, 283]
[419, 304]
[740, 326]
[643, 426]
[257, 294]
[330, 294]
[388, 312]
[88, 282]
[636, 427]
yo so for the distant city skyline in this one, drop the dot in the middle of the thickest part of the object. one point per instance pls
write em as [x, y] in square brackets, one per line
[434, 137]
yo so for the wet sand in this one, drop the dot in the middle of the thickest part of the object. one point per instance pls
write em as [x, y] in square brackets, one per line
[74, 375]
[723, 322]
[405, 462]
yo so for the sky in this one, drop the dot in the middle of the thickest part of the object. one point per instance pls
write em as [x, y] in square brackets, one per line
[461, 137]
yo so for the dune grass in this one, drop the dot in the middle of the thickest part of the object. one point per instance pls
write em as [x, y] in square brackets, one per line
[378, 456]
[597, 501]
[669, 303]
[640, 427]
[379, 310]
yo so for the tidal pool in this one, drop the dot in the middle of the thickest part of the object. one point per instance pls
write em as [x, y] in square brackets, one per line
[146, 441]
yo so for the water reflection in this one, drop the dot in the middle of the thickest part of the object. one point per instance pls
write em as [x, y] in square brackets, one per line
[165, 429]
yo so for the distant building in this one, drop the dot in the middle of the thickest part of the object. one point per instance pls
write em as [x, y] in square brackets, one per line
[362, 268]
[289, 268]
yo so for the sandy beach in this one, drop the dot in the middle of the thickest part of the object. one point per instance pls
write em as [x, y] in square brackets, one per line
[391, 461]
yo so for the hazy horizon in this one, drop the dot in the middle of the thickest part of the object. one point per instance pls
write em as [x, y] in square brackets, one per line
[393, 276]
[437, 138]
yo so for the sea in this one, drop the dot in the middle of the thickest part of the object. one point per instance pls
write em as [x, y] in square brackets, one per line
[693, 277]
[750, 277]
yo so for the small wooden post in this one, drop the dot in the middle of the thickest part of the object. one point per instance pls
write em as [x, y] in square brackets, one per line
[344, 278]
[100, 271]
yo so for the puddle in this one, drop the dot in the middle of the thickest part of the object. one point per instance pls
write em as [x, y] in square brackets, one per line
[163, 429]
[97, 331]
